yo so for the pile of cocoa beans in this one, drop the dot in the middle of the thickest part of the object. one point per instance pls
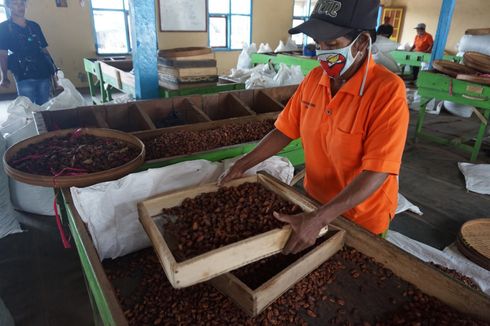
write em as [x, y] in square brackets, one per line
[348, 289]
[192, 141]
[73, 155]
[216, 219]
[460, 277]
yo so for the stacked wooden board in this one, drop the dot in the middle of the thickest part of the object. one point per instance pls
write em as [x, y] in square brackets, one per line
[187, 67]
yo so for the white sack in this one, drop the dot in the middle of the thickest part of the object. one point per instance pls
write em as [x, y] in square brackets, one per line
[477, 177]
[8, 216]
[245, 59]
[110, 211]
[460, 110]
[476, 43]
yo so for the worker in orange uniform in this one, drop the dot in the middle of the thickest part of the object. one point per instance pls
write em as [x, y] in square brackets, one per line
[423, 43]
[352, 117]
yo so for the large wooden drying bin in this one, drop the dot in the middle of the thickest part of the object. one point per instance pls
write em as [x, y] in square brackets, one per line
[409, 268]
[224, 259]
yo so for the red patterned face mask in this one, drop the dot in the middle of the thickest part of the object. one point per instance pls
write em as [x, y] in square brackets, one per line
[336, 62]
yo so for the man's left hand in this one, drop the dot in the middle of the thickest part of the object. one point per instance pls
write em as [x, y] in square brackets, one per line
[305, 230]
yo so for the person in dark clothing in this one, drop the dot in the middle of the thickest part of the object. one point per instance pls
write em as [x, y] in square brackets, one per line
[23, 51]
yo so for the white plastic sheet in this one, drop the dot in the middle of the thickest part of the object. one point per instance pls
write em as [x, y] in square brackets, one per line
[405, 205]
[110, 211]
[8, 216]
[449, 258]
[477, 177]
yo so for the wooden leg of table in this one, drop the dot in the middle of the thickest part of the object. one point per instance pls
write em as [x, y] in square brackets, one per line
[479, 137]
[421, 117]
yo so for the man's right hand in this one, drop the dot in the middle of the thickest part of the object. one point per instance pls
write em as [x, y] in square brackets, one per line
[5, 83]
[236, 171]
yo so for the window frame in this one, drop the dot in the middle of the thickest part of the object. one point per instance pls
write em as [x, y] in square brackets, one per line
[228, 27]
[7, 12]
[125, 11]
[303, 18]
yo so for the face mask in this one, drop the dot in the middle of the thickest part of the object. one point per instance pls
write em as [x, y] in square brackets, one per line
[336, 62]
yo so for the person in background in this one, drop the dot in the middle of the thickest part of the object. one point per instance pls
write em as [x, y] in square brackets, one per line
[384, 46]
[23, 51]
[423, 43]
[352, 117]
[386, 27]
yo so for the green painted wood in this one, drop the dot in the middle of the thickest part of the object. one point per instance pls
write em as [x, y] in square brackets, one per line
[101, 302]
[294, 152]
[167, 93]
[415, 59]
[442, 87]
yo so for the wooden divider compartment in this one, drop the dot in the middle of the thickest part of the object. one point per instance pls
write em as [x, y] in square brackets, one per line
[175, 111]
[222, 106]
[224, 259]
[254, 301]
[81, 117]
[149, 134]
[280, 94]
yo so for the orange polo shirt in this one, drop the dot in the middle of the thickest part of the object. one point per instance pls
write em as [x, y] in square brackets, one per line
[346, 134]
[423, 43]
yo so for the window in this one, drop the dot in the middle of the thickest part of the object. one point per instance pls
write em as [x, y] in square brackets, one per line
[111, 26]
[301, 12]
[3, 11]
[230, 23]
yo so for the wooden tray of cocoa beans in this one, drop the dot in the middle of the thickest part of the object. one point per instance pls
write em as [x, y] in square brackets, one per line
[74, 157]
[206, 231]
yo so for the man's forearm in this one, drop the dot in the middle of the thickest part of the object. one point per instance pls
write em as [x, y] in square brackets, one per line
[361, 188]
[268, 146]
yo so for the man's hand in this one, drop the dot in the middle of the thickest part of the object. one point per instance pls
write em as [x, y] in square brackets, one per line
[5, 83]
[305, 230]
[236, 171]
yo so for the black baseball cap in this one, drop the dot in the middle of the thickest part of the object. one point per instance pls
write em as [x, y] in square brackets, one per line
[331, 19]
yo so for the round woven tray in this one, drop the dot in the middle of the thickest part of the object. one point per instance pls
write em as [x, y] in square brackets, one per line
[478, 31]
[79, 180]
[477, 61]
[474, 79]
[474, 241]
[452, 68]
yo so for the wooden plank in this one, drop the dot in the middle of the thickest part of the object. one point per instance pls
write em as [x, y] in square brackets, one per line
[237, 291]
[428, 279]
[144, 120]
[95, 266]
[267, 293]
[204, 125]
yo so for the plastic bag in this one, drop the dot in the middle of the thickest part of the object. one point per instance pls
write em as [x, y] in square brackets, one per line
[244, 59]
[68, 99]
[477, 177]
[476, 43]
[460, 110]
[288, 75]
[264, 48]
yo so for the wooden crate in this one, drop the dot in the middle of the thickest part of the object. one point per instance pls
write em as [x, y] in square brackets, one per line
[254, 301]
[411, 269]
[224, 259]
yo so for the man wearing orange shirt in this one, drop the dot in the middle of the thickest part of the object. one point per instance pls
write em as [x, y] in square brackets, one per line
[423, 43]
[423, 40]
[352, 117]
